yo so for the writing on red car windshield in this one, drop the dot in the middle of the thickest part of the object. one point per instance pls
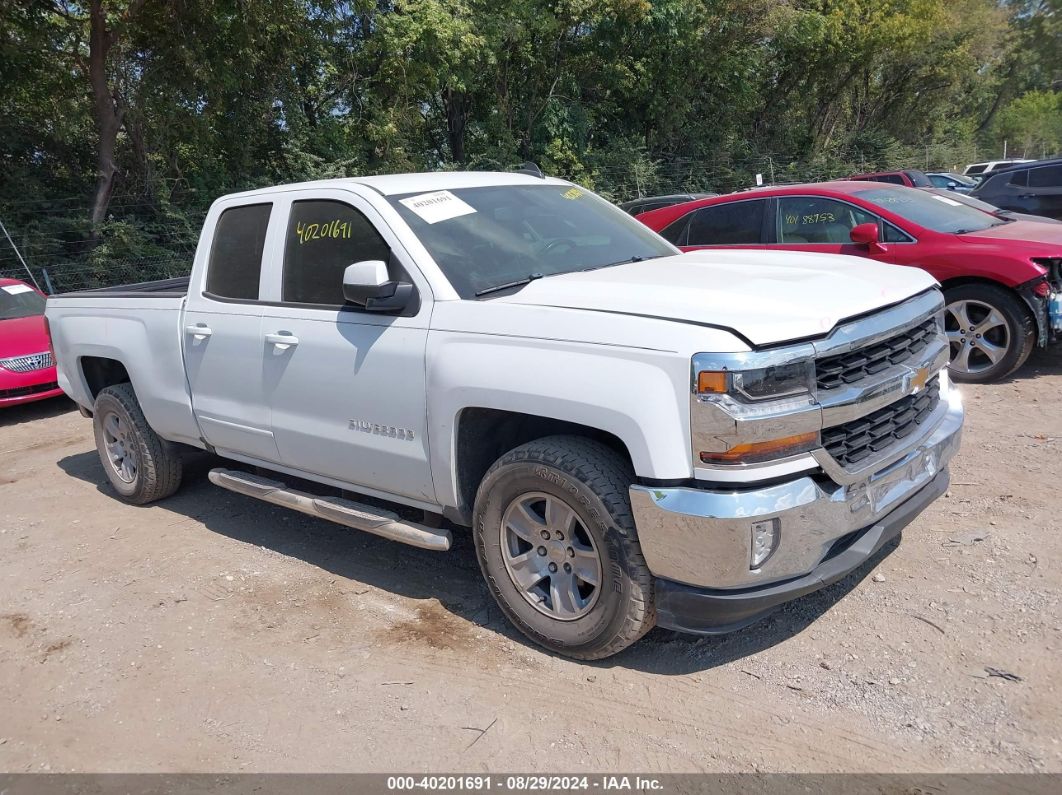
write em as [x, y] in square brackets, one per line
[928, 211]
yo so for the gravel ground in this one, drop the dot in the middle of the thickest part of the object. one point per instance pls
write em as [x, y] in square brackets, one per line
[211, 632]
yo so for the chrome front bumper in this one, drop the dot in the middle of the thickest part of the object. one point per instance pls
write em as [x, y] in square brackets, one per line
[702, 537]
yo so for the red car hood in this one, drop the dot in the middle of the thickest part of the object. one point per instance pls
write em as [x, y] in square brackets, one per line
[1024, 231]
[22, 335]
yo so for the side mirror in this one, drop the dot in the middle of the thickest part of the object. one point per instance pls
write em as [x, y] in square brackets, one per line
[953, 185]
[864, 234]
[368, 285]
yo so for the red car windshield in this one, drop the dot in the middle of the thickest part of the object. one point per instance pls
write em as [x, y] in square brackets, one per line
[929, 210]
[18, 300]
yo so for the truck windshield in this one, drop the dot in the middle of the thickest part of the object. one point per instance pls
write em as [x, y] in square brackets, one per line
[18, 300]
[930, 210]
[486, 237]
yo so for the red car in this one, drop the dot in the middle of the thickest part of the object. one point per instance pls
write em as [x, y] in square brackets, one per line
[910, 177]
[999, 276]
[27, 367]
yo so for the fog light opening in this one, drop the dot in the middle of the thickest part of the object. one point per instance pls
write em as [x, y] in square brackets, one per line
[765, 535]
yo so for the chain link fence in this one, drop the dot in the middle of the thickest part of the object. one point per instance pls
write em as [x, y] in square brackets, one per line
[142, 241]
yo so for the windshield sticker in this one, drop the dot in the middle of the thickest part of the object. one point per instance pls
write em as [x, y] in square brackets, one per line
[572, 193]
[15, 289]
[327, 230]
[440, 205]
[946, 200]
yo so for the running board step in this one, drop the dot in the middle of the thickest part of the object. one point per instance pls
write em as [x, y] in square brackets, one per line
[345, 512]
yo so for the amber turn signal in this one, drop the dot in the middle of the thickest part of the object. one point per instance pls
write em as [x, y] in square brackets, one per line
[761, 451]
[711, 382]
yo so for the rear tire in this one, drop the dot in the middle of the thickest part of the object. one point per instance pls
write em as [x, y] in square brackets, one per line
[556, 542]
[990, 331]
[140, 466]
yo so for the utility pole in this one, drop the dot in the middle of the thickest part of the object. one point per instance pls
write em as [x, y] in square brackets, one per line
[19, 255]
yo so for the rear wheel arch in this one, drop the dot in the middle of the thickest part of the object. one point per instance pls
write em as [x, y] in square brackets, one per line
[100, 372]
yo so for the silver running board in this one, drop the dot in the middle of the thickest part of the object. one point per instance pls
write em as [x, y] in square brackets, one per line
[345, 512]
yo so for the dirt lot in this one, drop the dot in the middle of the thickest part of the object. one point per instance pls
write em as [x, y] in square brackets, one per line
[215, 633]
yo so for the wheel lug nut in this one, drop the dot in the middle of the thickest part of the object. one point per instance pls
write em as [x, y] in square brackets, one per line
[541, 550]
[568, 568]
[571, 552]
[553, 567]
[545, 535]
[560, 536]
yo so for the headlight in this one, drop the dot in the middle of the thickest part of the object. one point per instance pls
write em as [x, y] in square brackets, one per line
[766, 383]
[781, 395]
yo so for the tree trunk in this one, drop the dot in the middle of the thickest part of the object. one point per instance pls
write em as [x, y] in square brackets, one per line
[108, 116]
[456, 104]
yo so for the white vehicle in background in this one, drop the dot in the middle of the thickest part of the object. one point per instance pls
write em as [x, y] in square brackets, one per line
[634, 436]
[978, 171]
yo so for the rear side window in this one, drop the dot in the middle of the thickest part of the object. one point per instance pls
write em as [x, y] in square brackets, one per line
[1045, 177]
[919, 179]
[976, 169]
[323, 238]
[675, 232]
[892, 179]
[723, 224]
[1019, 178]
[236, 254]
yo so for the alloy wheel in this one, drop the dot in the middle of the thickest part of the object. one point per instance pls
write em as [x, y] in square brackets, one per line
[550, 556]
[120, 447]
[978, 334]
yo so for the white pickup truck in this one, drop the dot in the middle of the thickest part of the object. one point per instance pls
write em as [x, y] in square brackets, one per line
[634, 436]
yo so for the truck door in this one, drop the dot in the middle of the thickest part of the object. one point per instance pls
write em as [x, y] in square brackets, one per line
[346, 387]
[222, 333]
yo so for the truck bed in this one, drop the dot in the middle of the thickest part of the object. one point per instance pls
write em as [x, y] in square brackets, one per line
[161, 288]
[137, 326]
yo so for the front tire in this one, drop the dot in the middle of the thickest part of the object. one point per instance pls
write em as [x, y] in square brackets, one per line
[556, 542]
[990, 332]
[140, 466]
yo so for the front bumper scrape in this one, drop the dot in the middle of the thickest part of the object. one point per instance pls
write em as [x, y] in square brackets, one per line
[706, 611]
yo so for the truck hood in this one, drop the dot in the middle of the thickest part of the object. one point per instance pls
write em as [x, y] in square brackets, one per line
[767, 297]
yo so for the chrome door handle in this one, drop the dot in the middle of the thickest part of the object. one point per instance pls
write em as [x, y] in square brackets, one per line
[282, 341]
[199, 331]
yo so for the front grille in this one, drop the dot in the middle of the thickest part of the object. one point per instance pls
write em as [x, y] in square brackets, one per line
[852, 442]
[22, 391]
[27, 364]
[832, 372]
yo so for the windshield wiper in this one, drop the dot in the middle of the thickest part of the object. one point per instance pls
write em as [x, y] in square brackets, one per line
[635, 258]
[518, 283]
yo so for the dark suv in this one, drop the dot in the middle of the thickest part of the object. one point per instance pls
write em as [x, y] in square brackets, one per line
[647, 203]
[1034, 188]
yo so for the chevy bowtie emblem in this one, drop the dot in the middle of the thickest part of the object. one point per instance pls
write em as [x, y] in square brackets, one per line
[919, 378]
